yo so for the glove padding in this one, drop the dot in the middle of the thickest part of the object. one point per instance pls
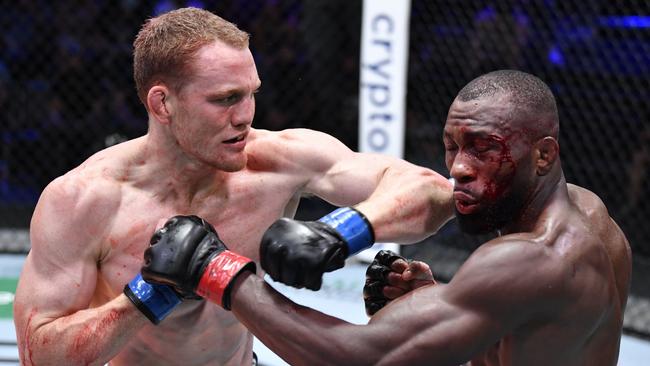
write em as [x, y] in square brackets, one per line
[377, 279]
[181, 251]
[297, 253]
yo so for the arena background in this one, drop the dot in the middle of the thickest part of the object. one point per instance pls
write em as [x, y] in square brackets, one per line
[66, 91]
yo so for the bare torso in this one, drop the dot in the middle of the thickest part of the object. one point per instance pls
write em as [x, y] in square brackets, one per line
[91, 227]
[245, 203]
[595, 253]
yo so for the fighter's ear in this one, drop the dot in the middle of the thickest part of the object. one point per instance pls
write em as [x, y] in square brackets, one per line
[158, 103]
[548, 151]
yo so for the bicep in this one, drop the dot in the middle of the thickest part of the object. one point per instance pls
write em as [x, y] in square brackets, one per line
[50, 288]
[498, 289]
[339, 175]
[60, 272]
[426, 327]
[350, 180]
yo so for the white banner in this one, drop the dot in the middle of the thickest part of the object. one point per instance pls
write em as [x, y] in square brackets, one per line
[383, 73]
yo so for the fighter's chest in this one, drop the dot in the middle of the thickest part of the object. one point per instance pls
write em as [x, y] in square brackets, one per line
[240, 217]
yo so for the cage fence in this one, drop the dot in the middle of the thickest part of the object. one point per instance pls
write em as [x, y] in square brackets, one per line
[66, 91]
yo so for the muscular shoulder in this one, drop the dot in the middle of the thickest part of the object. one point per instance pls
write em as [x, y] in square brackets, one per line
[294, 149]
[80, 192]
[596, 221]
[83, 201]
[605, 243]
[515, 273]
[518, 254]
[292, 135]
[588, 202]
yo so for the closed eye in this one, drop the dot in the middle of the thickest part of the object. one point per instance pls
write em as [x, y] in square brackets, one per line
[481, 146]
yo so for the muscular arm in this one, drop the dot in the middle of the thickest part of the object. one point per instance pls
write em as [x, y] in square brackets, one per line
[403, 202]
[393, 201]
[494, 292]
[54, 324]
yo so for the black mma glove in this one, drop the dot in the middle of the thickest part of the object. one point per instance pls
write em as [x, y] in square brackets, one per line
[188, 255]
[297, 253]
[377, 279]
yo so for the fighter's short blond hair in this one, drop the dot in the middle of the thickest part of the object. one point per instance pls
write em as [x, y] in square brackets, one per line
[166, 45]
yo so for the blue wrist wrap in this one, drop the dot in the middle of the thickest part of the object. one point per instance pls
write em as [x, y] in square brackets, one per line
[155, 301]
[353, 227]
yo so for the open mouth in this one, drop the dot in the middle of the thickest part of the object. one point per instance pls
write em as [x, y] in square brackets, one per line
[465, 203]
[465, 207]
[234, 140]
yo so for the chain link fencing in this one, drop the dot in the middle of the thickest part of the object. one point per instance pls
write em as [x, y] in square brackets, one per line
[66, 91]
[595, 56]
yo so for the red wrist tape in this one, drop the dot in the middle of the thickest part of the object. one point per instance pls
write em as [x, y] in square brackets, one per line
[218, 275]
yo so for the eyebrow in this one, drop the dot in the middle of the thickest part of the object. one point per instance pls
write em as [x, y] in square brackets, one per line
[229, 91]
[481, 134]
[224, 92]
[469, 135]
[475, 133]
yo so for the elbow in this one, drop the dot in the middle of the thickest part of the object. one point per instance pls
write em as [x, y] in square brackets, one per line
[35, 347]
[38, 346]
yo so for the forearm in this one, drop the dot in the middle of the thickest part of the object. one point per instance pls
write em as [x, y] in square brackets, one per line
[304, 336]
[86, 337]
[408, 205]
[300, 335]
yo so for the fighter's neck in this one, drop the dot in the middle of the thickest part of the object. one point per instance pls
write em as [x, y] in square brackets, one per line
[171, 174]
[552, 192]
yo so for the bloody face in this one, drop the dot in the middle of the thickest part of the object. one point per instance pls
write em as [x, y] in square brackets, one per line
[489, 156]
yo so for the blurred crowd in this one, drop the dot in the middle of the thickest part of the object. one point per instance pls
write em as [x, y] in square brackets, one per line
[66, 86]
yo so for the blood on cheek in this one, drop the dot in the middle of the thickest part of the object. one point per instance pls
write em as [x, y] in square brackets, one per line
[502, 167]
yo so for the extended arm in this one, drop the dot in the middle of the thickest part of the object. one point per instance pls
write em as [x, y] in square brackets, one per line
[393, 201]
[492, 294]
[54, 322]
[404, 203]
[421, 329]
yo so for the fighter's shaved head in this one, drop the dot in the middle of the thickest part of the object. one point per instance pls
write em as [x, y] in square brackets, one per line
[533, 102]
